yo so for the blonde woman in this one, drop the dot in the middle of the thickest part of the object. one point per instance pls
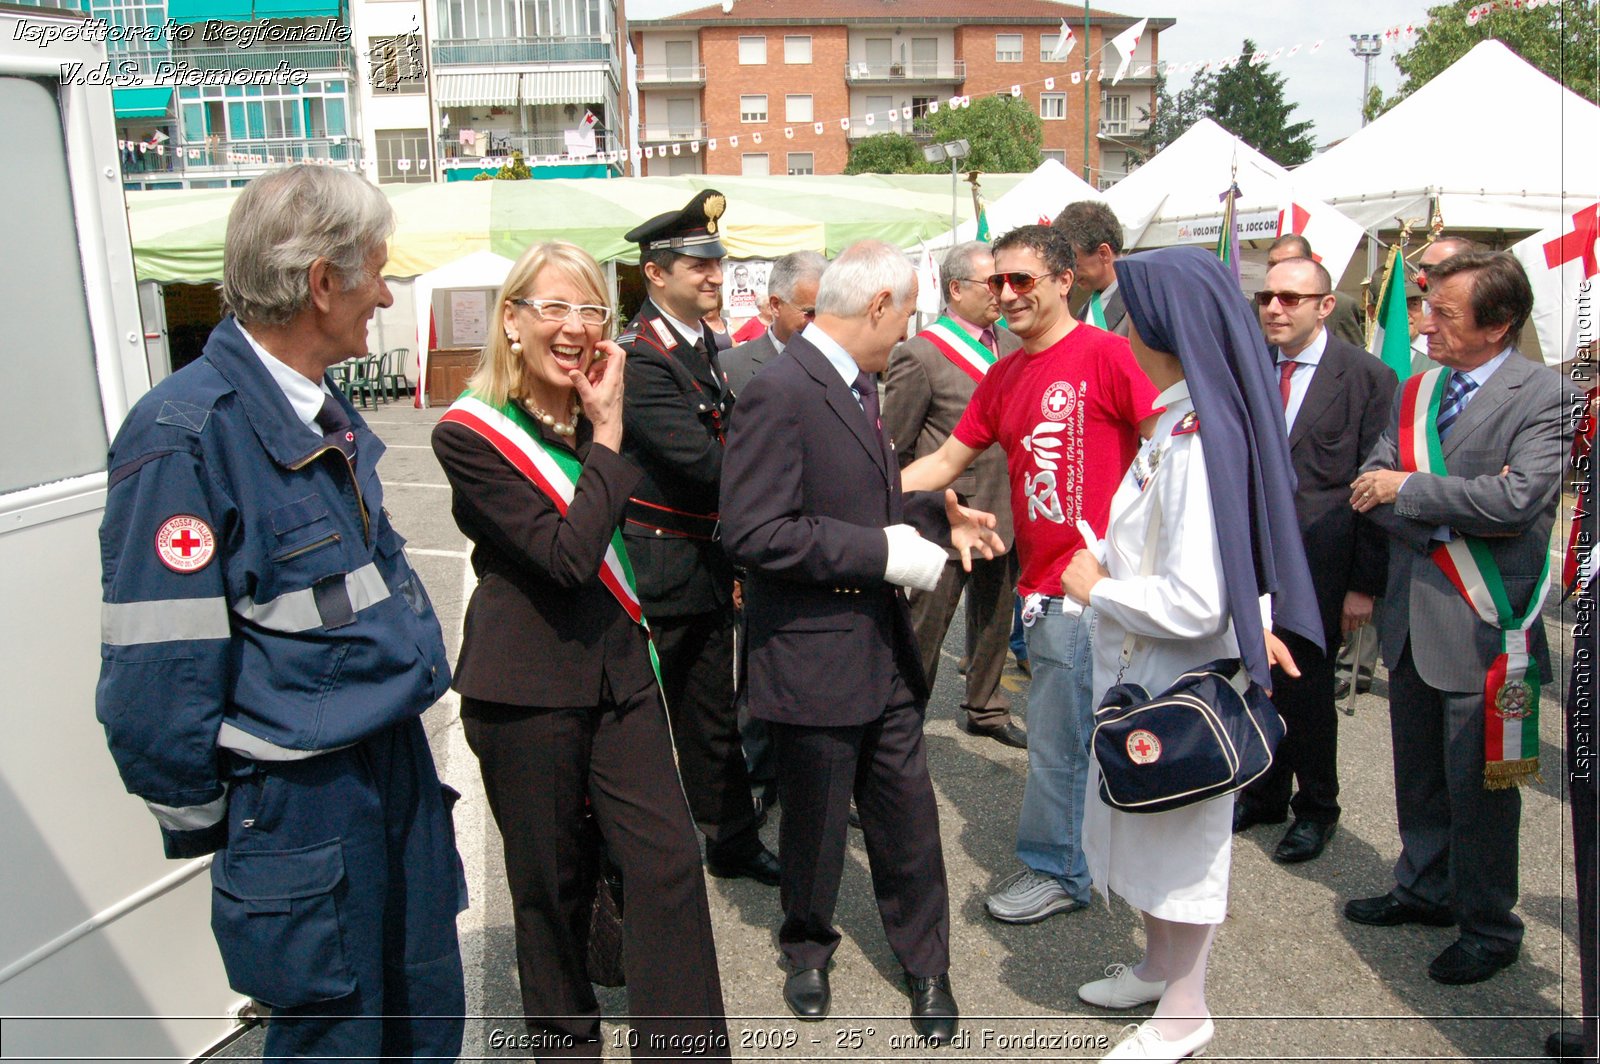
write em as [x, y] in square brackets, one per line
[559, 697]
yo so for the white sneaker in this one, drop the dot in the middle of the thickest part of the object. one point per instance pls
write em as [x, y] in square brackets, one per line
[1028, 897]
[1144, 1042]
[1121, 989]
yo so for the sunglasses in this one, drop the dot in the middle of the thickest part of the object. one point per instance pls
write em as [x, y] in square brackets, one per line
[1289, 300]
[809, 312]
[1021, 283]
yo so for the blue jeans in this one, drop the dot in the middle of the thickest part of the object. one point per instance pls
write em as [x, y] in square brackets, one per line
[1019, 644]
[1059, 724]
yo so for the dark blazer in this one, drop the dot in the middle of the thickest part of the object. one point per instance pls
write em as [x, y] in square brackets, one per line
[1114, 309]
[1340, 420]
[924, 396]
[745, 360]
[541, 629]
[807, 491]
[1519, 419]
[675, 408]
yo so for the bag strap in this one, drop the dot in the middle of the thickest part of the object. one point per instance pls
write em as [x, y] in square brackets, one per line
[1147, 565]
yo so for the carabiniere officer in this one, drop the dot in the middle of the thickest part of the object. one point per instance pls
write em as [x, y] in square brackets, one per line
[676, 410]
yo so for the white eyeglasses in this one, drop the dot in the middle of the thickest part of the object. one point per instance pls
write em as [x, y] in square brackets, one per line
[556, 310]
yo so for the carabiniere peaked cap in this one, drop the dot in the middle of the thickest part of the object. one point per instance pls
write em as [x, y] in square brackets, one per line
[691, 231]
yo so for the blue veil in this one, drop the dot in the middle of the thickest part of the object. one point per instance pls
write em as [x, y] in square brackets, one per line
[1184, 302]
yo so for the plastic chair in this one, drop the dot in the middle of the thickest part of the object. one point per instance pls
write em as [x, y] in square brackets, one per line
[365, 383]
[392, 374]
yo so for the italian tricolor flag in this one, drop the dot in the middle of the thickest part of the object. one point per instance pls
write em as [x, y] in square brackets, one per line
[1391, 340]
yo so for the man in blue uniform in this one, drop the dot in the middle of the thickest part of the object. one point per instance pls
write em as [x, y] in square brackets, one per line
[269, 651]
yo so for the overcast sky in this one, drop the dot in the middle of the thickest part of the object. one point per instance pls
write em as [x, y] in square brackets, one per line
[1326, 85]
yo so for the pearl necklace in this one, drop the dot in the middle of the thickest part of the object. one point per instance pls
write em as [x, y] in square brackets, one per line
[561, 428]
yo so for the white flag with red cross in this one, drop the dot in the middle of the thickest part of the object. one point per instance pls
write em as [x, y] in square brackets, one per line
[1562, 263]
[1332, 235]
[1125, 42]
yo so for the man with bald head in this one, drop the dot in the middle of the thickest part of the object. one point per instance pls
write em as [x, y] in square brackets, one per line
[1346, 321]
[1335, 398]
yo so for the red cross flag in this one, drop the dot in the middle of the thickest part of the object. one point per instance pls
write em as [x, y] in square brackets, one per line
[1064, 42]
[1125, 42]
[1562, 264]
[1332, 235]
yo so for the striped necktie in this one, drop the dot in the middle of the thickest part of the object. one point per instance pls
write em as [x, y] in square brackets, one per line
[1455, 401]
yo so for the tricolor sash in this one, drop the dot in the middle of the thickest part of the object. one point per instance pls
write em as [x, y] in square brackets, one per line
[1511, 688]
[554, 471]
[1097, 314]
[960, 347]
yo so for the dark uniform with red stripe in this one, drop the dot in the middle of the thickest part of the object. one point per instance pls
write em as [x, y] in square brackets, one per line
[676, 409]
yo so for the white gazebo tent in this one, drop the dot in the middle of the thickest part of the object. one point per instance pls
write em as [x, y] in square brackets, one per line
[1176, 198]
[480, 269]
[1441, 142]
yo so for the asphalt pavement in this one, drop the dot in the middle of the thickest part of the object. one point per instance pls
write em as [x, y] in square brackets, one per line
[1290, 978]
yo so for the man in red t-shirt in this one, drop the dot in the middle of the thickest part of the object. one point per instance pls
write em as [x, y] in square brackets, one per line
[1068, 409]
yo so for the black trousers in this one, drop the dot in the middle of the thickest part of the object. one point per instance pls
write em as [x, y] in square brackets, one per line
[1458, 839]
[544, 770]
[696, 654]
[884, 765]
[1309, 753]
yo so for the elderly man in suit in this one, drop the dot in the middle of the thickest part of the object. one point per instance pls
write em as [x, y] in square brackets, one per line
[1464, 481]
[1096, 238]
[792, 299]
[675, 414]
[1335, 403]
[813, 510]
[930, 379]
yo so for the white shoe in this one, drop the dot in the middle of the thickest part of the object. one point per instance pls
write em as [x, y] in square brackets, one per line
[1144, 1042]
[1121, 989]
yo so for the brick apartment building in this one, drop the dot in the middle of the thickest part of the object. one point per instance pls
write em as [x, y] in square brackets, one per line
[756, 78]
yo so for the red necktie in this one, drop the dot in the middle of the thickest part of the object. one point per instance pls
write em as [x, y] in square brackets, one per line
[986, 338]
[1285, 371]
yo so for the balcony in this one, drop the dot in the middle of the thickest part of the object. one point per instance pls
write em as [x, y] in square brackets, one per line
[236, 158]
[497, 147]
[666, 133]
[860, 72]
[671, 76]
[859, 130]
[1121, 128]
[173, 66]
[509, 51]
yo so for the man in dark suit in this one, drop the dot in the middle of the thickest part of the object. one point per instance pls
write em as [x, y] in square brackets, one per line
[1096, 238]
[1336, 401]
[792, 299]
[929, 381]
[812, 509]
[675, 412]
[1467, 498]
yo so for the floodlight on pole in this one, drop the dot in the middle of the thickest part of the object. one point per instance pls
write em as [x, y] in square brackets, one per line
[955, 151]
[1366, 47]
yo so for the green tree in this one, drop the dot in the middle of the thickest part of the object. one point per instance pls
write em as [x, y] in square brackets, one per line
[1560, 39]
[1247, 100]
[1004, 133]
[886, 153]
[1172, 117]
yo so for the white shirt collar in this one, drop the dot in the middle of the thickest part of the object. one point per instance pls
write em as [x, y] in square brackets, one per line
[693, 333]
[1177, 393]
[1482, 374]
[833, 352]
[305, 395]
[1106, 292]
[777, 344]
[1312, 355]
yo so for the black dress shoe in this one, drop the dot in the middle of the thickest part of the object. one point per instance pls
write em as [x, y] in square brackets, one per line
[1245, 817]
[1564, 1045]
[1341, 686]
[1303, 841]
[806, 993]
[1007, 734]
[933, 1008]
[1466, 962]
[760, 865]
[1390, 911]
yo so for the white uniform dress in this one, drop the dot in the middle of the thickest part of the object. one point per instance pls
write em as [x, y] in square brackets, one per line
[1172, 865]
